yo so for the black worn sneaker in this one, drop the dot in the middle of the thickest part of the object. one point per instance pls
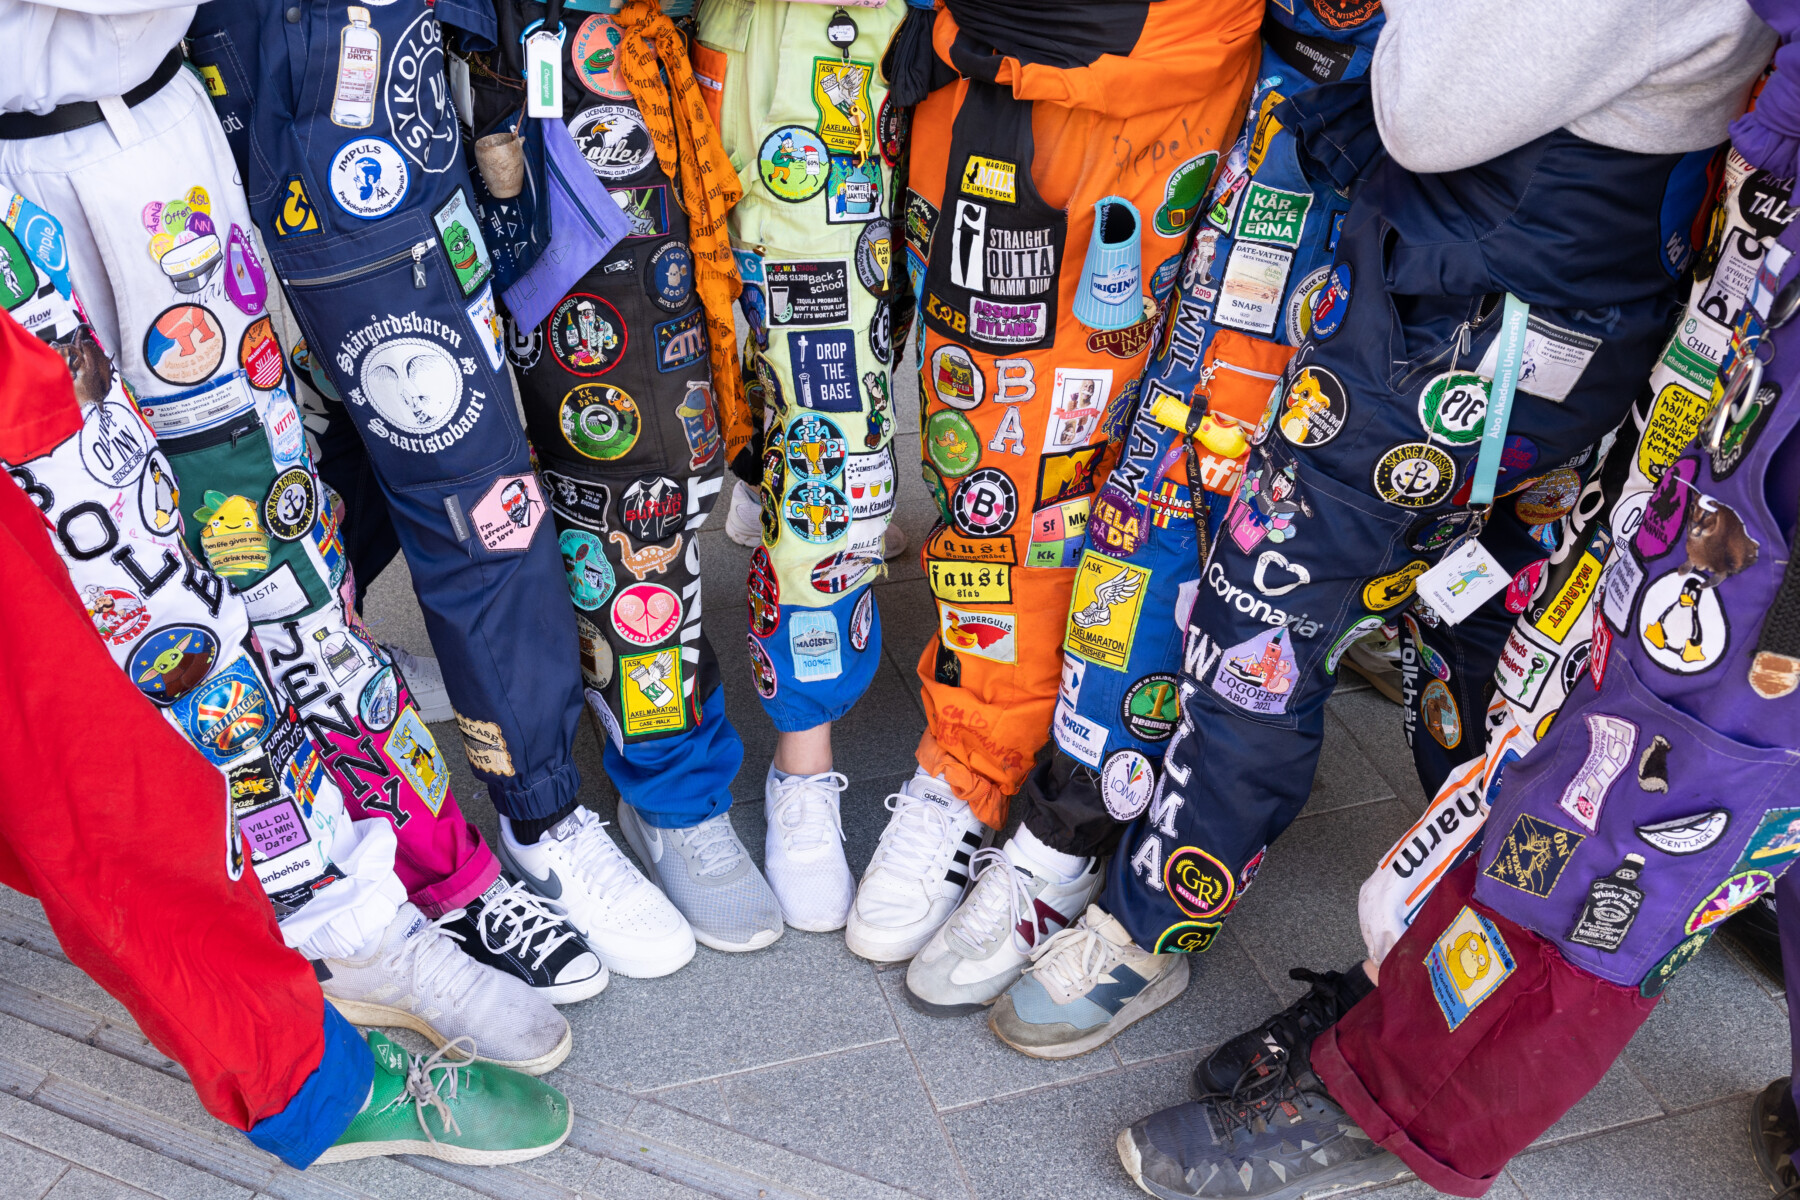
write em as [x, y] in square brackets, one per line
[1753, 928]
[519, 932]
[1275, 1137]
[1293, 1028]
[1775, 1135]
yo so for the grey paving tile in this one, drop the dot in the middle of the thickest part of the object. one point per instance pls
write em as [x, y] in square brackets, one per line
[908, 623]
[1698, 1154]
[1618, 1099]
[1376, 724]
[170, 1098]
[1504, 1189]
[391, 1180]
[1059, 1141]
[1224, 997]
[863, 1109]
[1716, 1033]
[20, 903]
[1345, 776]
[962, 1062]
[616, 1181]
[1301, 911]
[728, 1012]
[54, 1134]
[752, 1156]
[28, 1172]
[567, 1167]
[592, 1101]
[700, 1099]
[62, 980]
[85, 1185]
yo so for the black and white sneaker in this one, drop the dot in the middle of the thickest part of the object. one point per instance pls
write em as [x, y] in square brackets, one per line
[1292, 1029]
[517, 931]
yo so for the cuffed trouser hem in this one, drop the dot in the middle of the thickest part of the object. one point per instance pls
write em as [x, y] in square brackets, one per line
[981, 794]
[460, 886]
[326, 1103]
[547, 795]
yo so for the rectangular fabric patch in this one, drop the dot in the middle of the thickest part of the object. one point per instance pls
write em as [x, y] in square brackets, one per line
[1468, 963]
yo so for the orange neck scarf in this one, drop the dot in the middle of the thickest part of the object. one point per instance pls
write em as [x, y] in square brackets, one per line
[687, 146]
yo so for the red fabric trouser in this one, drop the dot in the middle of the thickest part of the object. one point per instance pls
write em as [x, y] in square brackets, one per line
[1457, 1105]
[118, 827]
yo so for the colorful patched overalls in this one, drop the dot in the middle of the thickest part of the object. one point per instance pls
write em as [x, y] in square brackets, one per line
[1256, 278]
[1394, 392]
[356, 175]
[1047, 207]
[617, 387]
[804, 114]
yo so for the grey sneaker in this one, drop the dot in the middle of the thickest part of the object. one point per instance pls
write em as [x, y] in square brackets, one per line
[417, 978]
[706, 872]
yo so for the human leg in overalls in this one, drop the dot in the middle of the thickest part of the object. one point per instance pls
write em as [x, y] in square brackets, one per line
[617, 383]
[188, 295]
[1381, 490]
[1041, 215]
[360, 188]
[1219, 351]
[175, 620]
[804, 114]
[1658, 804]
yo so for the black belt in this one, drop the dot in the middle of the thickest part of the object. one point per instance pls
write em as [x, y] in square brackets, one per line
[64, 117]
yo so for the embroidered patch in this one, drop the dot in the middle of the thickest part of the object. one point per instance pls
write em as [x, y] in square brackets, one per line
[1533, 854]
[1468, 963]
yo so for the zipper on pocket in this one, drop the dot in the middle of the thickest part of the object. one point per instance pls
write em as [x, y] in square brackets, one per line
[416, 252]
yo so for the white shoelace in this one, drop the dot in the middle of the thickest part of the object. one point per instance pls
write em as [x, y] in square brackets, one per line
[715, 845]
[1072, 960]
[432, 959]
[422, 1089]
[910, 845]
[806, 810]
[978, 920]
[522, 918]
[598, 861]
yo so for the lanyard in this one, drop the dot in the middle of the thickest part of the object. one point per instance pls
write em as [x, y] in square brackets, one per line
[1513, 322]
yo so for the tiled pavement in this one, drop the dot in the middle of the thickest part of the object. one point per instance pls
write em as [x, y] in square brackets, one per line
[799, 1071]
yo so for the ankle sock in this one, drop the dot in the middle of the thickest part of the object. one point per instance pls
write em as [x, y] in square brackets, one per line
[528, 830]
[1026, 846]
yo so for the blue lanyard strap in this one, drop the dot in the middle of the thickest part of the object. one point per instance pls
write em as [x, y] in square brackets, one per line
[1513, 322]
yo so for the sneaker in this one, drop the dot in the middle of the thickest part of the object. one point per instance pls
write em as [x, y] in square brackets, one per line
[918, 874]
[513, 929]
[1275, 1040]
[1377, 659]
[632, 927]
[980, 951]
[893, 542]
[1775, 1135]
[417, 978]
[803, 850]
[706, 872]
[462, 1112]
[425, 679]
[1085, 986]
[743, 517]
[1277, 1137]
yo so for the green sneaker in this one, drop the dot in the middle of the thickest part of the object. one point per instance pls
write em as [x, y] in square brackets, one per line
[462, 1112]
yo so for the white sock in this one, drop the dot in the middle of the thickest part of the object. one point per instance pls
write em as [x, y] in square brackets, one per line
[1027, 848]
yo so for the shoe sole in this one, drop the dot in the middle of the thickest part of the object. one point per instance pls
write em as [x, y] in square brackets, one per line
[446, 1151]
[1134, 1010]
[361, 1012]
[767, 937]
[574, 993]
[1374, 1170]
[881, 954]
[943, 1010]
[643, 968]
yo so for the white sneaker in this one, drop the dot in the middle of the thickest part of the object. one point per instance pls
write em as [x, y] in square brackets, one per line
[417, 978]
[893, 542]
[743, 519]
[983, 948]
[803, 850]
[628, 922]
[426, 680]
[919, 872]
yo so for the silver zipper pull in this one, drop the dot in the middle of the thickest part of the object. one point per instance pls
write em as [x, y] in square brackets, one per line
[418, 253]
